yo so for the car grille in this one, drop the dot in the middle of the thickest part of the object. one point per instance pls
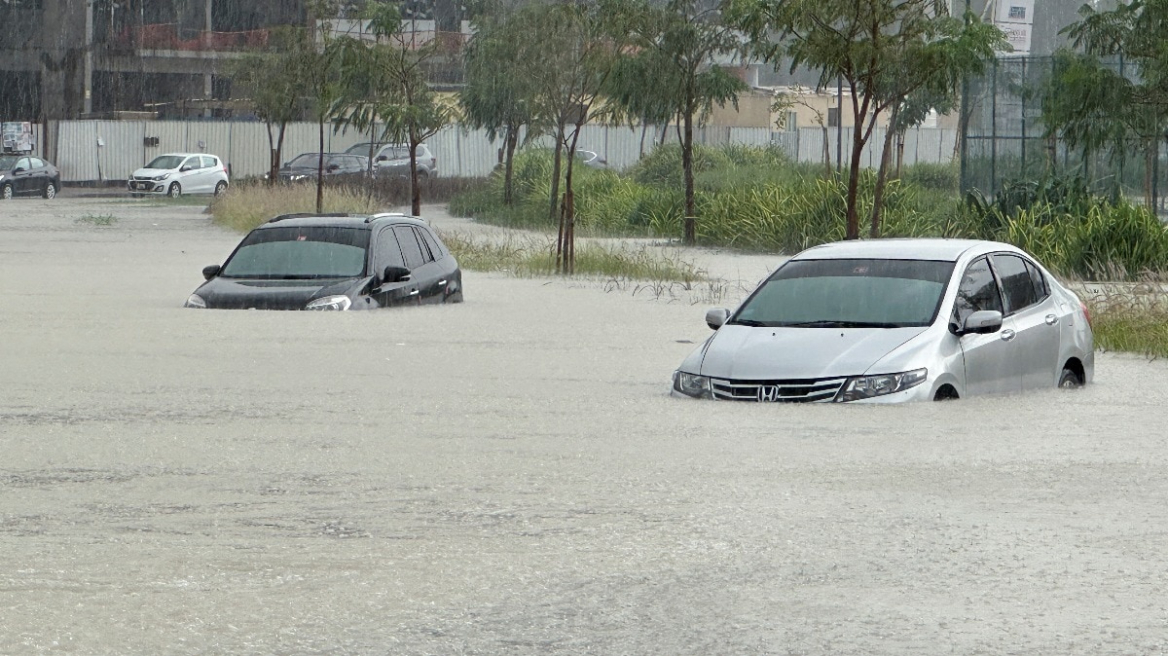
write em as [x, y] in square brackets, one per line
[779, 391]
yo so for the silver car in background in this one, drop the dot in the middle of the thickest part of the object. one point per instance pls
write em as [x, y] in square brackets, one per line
[895, 320]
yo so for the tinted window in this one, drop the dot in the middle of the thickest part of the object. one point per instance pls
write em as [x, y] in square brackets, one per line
[306, 160]
[300, 253]
[410, 248]
[858, 293]
[1037, 279]
[1016, 282]
[432, 242]
[388, 252]
[7, 163]
[978, 291]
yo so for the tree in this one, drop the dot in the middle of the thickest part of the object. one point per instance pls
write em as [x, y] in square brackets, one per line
[496, 97]
[276, 87]
[390, 71]
[883, 50]
[568, 65]
[319, 69]
[785, 101]
[670, 70]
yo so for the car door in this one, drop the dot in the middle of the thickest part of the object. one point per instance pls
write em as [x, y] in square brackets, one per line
[188, 174]
[39, 175]
[22, 177]
[450, 278]
[420, 261]
[989, 358]
[1036, 322]
[387, 253]
[208, 171]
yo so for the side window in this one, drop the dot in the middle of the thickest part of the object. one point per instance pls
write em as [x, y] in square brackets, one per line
[410, 248]
[401, 153]
[427, 253]
[388, 251]
[36, 163]
[432, 242]
[23, 163]
[1016, 282]
[978, 291]
[1039, 282]
[192, 162]
[208, 162]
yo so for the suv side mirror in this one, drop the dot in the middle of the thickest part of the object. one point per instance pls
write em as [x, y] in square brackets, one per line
[716, 317]
[982, 322]
[395, 274]
[211, 271]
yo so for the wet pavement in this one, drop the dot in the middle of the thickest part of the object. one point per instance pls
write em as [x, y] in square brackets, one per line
[510, 476]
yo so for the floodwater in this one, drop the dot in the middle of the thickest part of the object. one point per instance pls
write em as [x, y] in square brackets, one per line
[509, 476]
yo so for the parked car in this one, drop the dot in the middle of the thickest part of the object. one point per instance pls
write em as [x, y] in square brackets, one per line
[895, 320]
[333, 262]
[338, 167]
[24, 175]
[393, 160]
[176, 174]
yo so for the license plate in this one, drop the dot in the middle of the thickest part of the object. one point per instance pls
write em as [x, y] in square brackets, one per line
[141, 185]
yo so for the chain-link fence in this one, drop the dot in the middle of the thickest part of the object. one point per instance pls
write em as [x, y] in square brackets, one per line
[1007, 141]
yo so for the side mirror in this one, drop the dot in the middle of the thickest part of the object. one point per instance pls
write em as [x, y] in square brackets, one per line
[982, 322]
[19, 169]
[395, 274]
[333, 167]
[716, 317]
[382, 158]
[184, 169]
[211, 271]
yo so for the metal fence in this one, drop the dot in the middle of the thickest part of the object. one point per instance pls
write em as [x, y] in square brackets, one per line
[104, 151]
[1006, 139]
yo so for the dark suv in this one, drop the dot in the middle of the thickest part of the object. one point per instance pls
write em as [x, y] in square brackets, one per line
[333, 262]
[338, 168]
[393, 160]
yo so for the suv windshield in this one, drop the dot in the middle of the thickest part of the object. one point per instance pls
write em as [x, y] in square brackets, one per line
[848, 294]
[165, 162]
[307, 160]
[299, 253]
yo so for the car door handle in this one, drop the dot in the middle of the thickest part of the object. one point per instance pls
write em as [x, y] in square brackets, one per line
[1051, 319]
[413, 292]
[1007, 335]
[441, 283]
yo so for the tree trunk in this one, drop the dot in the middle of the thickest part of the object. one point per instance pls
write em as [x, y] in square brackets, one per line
[509, 143]
[853, 224]
[687, 167]
[320, 171]
[555, 199]
[900, 152]
[279, 152]
[882, 178]
[569, 209]
[272, 170]
[826, 153]
[1149, 178]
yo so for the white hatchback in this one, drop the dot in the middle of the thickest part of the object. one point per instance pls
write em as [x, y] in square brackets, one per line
[176, 174]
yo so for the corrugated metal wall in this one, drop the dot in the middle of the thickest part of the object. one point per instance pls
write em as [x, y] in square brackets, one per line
[88, 151]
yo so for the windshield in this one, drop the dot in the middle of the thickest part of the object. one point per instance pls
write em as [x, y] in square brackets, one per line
[359, 149]
[165, 162]
[307, 160]
[848, 294]
[7, 163]
[300, 253]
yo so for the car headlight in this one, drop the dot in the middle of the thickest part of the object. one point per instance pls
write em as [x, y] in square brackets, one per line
[691, 384]
[195, 301]
[160, 178]
[330, 303]
[866, 387]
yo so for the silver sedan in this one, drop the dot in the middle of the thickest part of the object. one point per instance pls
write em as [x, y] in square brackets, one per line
[895, 320]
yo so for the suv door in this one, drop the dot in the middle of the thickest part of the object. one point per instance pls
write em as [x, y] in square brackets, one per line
[1036, 322]
[420, 261]
[989, 358]
[386, 253]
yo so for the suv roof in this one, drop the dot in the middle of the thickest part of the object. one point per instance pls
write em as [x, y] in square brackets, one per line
[340, 220]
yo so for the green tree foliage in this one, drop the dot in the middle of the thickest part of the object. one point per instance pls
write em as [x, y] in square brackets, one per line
[496, 97]
[275, 86]
[668, 70]
[882, 50]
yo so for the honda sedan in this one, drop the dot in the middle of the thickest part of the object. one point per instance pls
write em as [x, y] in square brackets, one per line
[895, 320]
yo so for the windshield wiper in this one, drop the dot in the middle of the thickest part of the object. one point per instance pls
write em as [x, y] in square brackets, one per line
[748, 322]
[842, 324]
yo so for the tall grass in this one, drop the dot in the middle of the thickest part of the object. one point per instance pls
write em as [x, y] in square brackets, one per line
[244, 207]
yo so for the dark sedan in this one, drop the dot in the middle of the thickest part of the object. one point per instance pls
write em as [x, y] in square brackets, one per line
[333, 262]
[338, 167]
[24, 175]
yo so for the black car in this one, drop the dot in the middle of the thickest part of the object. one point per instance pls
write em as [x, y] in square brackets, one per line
[338, 167]
[24, 175]
[333, 262]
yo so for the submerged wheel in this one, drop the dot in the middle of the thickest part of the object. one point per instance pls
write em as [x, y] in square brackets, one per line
[946, 393]
[50, 190]
[6, 192]
[1069, 379]
[175, 190]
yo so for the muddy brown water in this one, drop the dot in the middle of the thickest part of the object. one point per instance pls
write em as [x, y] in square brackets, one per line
[509, 476]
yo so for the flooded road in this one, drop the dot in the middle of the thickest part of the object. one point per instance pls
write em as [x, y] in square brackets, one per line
[510, 476]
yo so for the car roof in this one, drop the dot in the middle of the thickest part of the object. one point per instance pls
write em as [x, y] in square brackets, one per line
[945, 250]
[182, 155]
[326, 220]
